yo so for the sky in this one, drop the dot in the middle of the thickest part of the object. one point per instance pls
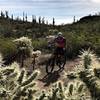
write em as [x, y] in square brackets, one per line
[62, 10]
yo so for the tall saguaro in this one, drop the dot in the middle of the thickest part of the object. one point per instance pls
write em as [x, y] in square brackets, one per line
[26, 18]
[74, 19]
[2, 15]
[12, 17]
[43, 21]
[39, 19]
[53, 22]
[6, 13]
[33, 19]
[23, 16]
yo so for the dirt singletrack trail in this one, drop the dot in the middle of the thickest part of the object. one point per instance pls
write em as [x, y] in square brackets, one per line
[45, 80]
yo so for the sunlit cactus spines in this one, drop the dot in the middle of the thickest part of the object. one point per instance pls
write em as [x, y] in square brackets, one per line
[89, 59]
[24, 41]
[24, 47]
[61, 90]
[72, 75]
[75, 73]
[89, 73]
[86, 57]
[73, 91]
[42, 96]
[20, 78]
[92, 82]
[15, 85]
[76, 90]
[30, 79]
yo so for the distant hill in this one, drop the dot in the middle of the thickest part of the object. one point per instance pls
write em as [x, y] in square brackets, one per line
[84, 33]
[90, 18]
[87, 24]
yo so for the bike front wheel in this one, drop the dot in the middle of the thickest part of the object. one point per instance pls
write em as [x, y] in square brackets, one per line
[50, 66]
[60, 62]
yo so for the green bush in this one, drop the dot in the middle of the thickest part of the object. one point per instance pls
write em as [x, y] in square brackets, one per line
[8, 49]
[39, 44]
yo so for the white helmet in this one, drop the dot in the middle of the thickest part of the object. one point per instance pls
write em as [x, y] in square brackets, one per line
[59, 33]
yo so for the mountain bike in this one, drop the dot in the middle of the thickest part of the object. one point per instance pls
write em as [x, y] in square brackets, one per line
[56, 60]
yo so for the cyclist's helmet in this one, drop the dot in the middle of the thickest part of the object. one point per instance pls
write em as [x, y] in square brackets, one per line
[59, 34]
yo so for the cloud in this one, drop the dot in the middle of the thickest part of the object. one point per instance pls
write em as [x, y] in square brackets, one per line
[95, 1]
[62, 10]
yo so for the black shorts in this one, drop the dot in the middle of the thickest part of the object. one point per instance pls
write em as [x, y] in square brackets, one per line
[59, 51]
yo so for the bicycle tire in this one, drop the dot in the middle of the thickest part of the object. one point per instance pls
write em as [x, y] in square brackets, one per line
[61, 62]
[50, 66]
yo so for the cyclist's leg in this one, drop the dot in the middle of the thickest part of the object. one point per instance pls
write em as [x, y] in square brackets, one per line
[55, 52]
[60, 51]
[58, 55]
[63, 58]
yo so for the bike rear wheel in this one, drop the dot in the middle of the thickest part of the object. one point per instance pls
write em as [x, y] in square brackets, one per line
[50, 66]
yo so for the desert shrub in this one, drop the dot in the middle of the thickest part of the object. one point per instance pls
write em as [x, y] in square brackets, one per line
[40, 44]
[6, 46]
[74, 44]
[8, 49]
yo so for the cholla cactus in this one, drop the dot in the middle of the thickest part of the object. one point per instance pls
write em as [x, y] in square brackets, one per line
[15, 84]
[35, 54]
[89, 59]
[24, 47]
[90, 63]
[92, 82]
[73, 91]
[23, 41]
[77, 91]
[86, 58]
[54, 93]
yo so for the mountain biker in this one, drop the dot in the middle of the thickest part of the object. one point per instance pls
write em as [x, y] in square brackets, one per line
[58, 57]
[60, 44]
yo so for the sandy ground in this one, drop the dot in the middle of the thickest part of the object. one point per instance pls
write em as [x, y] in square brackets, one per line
[45, 80]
